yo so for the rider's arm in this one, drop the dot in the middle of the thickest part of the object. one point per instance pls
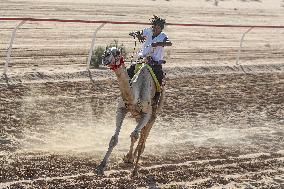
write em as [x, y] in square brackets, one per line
[166, 42]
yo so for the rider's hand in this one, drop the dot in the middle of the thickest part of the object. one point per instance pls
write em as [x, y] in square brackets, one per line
[141, 38]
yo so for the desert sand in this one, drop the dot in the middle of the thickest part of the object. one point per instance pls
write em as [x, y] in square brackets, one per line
[221, 125]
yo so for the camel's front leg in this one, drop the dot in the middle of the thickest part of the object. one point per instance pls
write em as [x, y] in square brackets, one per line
[144, 118]
[128, 158]
[120, 115]
[156, 107]
[141, 144]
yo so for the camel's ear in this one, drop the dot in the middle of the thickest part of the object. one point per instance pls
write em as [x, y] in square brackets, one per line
[105, 52]
[118, 52]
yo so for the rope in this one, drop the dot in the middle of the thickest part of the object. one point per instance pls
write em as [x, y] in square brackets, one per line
[137, 23]
[134, 50]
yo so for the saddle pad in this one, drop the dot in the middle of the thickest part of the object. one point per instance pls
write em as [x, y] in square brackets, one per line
[137, 68]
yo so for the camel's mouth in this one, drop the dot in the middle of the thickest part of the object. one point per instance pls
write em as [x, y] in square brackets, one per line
[107, 58]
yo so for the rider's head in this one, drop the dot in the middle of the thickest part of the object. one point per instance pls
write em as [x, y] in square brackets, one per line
[158, 24]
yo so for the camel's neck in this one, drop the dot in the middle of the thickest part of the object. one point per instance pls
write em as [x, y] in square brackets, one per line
[124, 86]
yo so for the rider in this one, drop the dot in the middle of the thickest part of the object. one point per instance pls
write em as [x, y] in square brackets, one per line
[154, 41]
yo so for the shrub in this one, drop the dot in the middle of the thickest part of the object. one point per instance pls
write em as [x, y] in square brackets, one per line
[96, 59]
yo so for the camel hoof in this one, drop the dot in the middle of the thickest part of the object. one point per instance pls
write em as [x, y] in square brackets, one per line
[134, 173]
[128, 159]
[100, 169]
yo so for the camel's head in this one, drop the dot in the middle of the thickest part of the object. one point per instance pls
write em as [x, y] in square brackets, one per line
[111, 57]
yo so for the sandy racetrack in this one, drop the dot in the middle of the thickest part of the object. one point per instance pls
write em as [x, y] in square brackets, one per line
[221, 125]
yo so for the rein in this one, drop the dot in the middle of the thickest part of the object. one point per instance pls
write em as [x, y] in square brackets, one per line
[134, 50]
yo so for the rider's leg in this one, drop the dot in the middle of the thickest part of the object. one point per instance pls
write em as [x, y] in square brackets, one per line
[131, 71]
[160, 76]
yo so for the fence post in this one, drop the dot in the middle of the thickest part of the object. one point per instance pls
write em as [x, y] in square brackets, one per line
[241, 45]
[9, 51]
[92, 45]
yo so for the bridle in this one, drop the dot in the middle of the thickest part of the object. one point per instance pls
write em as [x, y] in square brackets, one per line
[109, 55]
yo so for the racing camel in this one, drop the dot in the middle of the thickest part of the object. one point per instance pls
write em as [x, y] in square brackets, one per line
[137, 97]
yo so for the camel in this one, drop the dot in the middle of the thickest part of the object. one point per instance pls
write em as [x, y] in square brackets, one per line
[137, 97]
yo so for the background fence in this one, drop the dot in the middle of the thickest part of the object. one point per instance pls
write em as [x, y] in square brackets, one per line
[22, 21]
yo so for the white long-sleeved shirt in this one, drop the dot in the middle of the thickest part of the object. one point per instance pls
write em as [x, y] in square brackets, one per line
[157, 53]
